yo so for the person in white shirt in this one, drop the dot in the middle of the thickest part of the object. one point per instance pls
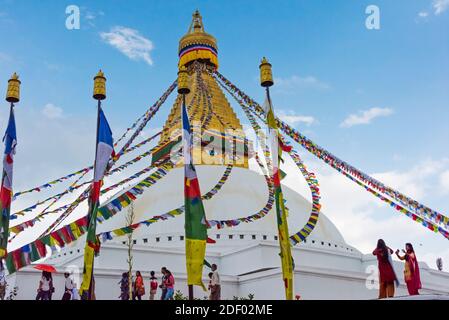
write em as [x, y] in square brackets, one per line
[68, 283]
[45, 287]
[215, 291]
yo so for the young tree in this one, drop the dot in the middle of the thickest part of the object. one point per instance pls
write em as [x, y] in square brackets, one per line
[129, 222]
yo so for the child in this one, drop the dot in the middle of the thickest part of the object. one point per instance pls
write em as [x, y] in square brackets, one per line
[153, 285]
[210, 285]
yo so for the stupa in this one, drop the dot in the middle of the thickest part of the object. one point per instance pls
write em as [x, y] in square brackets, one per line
[247, 254]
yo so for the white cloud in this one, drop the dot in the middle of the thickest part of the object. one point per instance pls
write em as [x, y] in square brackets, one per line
[440, 6]
[365, 116]
[444, 182]
[129, 42]
[51, 111]
[296, 82]
[362, 218]
[423, 14]
[92, 16]
[293, 119]
[52, 66]
[89, 17]
[437, 7]
[414, 182]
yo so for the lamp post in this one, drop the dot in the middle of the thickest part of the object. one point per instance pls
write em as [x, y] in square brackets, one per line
[12, 96]
[183, 89]
[266, 80]
[99, 94]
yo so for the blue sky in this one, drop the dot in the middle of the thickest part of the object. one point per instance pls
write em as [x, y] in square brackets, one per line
[390, 85]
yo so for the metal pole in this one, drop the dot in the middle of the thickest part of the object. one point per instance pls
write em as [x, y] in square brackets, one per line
[5, 220]
[91, 291]
[10, 112]
[191, 297]
[190, 287]
[268, 96]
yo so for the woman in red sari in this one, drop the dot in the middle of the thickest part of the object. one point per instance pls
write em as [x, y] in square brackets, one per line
[411, 269]
[139, 288]
[387, 276]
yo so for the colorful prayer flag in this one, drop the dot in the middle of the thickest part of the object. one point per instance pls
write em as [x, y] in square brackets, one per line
[104, 152]
[10, 140]
[281, 212]
[195, 218]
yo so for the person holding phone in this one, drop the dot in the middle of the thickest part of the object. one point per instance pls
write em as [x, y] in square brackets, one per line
[411, 269]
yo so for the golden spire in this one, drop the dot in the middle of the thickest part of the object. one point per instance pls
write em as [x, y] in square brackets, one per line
[197, 22]
[211, 116]
[197, 44]
[13, 91]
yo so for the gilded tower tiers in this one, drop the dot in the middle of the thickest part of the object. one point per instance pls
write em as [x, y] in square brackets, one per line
[217, 133]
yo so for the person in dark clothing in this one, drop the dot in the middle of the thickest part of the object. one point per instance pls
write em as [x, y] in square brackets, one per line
[124, 287]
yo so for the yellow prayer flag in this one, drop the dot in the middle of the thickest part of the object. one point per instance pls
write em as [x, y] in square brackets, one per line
[195, 254]
[89, 254]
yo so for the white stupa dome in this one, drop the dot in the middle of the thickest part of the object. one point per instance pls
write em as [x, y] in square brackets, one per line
[244, 194]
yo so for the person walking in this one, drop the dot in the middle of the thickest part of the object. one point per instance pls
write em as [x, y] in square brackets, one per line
[45, 286]
[68, 287]
[215, 292]
[411, 269]
[139, 287]
[209, 287]
[124, 286]
[169, 285]
[52, 288]
[387, 276]
[153, 285]
[162, 285]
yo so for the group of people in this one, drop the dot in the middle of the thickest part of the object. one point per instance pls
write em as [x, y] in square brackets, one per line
[46, 289]
[387, 274]
[167, 285]
[137, 289]
[387, 279]
[214, 284]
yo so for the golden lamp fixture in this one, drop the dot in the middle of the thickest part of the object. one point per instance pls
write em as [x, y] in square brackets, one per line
[99, 86]
[13, 91]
